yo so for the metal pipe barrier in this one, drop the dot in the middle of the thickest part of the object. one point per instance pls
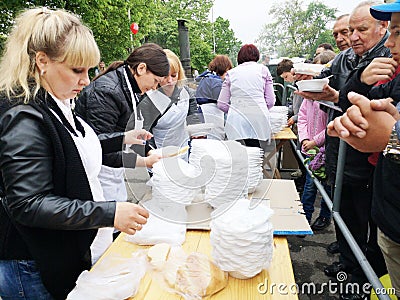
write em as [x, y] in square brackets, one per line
[362, 260]
[281, 86]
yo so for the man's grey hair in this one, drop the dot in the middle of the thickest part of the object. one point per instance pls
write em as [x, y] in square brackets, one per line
[367, 3]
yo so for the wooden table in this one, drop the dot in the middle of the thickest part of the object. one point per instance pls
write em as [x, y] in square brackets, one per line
[282, 137]
[279, 278]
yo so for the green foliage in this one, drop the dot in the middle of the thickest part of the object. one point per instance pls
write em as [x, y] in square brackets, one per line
[295, 31]
[157, 21]
[200, 28]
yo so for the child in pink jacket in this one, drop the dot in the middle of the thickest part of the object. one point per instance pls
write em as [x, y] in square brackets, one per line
[311, 130]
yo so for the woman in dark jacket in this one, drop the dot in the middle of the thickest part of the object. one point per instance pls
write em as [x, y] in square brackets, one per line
[110, 105]
[51, 202]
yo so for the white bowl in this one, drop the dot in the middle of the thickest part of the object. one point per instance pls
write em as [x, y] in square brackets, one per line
[312, 85]
[308, 69]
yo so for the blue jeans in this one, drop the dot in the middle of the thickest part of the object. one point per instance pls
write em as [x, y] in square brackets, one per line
[20, 279]
[308, 199]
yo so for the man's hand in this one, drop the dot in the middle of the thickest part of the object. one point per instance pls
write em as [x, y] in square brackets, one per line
[327, 94]
[381, 68]
[299, 77]
[366, 125]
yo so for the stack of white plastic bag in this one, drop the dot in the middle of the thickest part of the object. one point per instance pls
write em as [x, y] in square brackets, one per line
[116, 278]
[242, 239]
[172, 189]
[255, 175]
[278, 118]
[172, 182]
[224, 170]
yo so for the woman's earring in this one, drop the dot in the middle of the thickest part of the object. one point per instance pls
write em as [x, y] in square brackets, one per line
[41, 72]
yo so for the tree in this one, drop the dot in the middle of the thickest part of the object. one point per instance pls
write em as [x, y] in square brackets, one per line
[201, 39]
[157, 21]
[295, 31]
[225, 40]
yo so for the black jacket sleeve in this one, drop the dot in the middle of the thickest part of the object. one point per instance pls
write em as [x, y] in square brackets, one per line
[26, 160]
[353, 84]
[100, 107]
[389, 89]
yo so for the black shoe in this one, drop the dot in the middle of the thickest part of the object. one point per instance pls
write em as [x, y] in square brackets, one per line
[321, 223]
[353, 296]
[333, 248]
[333, 269]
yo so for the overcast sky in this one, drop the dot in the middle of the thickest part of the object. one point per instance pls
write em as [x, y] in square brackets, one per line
[247, 17]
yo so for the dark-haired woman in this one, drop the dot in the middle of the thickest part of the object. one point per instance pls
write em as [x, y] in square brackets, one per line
[108, 103]
[247, 95]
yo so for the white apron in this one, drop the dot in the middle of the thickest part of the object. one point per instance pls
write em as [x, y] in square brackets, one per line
[247, 119]
[90, 151]
[171, 127]
[212, 114]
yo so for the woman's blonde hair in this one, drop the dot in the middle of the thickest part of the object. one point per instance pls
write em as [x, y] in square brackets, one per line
[175, 66]
[58, 33]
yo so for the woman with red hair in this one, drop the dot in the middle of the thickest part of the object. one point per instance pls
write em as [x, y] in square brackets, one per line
[247, 95]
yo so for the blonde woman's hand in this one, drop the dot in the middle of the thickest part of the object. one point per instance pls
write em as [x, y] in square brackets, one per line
[137, 137]
[130, 217]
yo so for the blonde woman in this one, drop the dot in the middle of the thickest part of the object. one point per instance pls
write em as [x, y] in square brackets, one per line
[169, 127]
[52, 203]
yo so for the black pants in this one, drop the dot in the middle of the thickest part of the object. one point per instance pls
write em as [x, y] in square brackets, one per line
[355, 210]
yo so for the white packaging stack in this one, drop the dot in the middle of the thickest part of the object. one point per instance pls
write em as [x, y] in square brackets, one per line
[278, 118]
[224, 169]
[242, 239]
[255, 157]
[173, 181]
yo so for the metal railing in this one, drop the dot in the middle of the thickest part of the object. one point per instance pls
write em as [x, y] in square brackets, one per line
[334, 207]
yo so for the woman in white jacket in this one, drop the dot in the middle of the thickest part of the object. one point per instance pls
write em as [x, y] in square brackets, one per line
[247, 95]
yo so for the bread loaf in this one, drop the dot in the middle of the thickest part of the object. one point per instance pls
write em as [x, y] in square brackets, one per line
[158, 255]
[198, 276]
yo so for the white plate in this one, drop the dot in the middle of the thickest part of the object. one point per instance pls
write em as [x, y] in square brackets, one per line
[312, 85]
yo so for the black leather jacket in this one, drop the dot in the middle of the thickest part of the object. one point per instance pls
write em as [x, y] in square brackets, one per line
[345, 66]
[47, 212]
[106, 105]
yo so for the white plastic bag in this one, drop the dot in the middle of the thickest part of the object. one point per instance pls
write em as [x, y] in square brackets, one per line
[116, 278]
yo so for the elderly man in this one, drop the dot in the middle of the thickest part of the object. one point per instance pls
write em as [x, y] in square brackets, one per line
[367, 36]
[341, 35]
[341, 32]
[375, 126]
